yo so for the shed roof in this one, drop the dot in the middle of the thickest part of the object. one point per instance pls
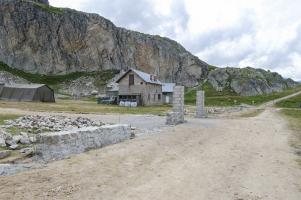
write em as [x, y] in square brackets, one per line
[144, 76]
[168, 87]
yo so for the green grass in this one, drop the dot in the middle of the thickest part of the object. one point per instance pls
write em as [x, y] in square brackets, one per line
[53, 80]
[230, 98]
[293, 102]
[16, 130]
[4, 117]
[294, 120]
[79, 106]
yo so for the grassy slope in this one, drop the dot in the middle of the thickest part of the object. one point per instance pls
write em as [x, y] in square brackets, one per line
[229, 98]
[293, 102]
[101, 77]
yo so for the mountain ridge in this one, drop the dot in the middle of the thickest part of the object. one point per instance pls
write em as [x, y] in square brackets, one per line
[50, 40]
[40, 39]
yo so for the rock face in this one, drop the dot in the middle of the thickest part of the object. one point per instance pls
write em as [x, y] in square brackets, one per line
[38, 38]
[248, 81]
[8, 78]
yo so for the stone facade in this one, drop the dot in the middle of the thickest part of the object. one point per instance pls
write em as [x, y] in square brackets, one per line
[200, 105]
[177, 115]
[60, 145]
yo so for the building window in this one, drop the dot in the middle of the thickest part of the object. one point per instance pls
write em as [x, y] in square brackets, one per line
[148, 97]
[154, 97]
[141, 83]
[159, 97]
[131, 79]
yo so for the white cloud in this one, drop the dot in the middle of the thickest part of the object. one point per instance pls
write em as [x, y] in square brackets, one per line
[259, 33]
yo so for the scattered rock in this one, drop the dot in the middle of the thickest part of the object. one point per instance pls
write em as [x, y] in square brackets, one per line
[2, 142]
[10, 142]
[38, 124]
[17, 138]
[94, 92]
[14, 147]
[24, 140]
[4, 154]
[33, 139]
[27, 151]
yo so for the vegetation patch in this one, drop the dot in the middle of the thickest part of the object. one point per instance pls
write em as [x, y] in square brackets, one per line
[46, 7]
[227, 97]
[4, 117]
[294, 102]
[294, 120]
[80, 106]
[54, 80]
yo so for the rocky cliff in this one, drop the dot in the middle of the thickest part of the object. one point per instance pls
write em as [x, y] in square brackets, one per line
[248, 81]
[38, 38]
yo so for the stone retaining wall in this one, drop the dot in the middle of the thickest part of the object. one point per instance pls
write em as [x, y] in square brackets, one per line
[59, 145]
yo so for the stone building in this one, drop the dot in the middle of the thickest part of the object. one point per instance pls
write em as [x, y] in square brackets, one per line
[140, 87]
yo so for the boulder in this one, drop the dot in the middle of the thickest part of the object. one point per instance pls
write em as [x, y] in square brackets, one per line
[27, 150]
[2, 142]
[14, 147]
[2, 138]
[17, 138]
[4, 154]
[25, 140]
[94, 92]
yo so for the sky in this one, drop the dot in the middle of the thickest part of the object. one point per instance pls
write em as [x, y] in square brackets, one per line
[236, 33]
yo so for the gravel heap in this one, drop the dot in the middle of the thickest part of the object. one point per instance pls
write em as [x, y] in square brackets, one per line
[38, 124]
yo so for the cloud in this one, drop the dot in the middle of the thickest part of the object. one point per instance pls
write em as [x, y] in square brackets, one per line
[237, 33]
[143, 15]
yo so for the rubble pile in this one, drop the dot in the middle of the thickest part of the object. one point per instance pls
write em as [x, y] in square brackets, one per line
[38, 124]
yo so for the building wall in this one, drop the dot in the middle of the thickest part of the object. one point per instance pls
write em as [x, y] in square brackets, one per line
[150, 95]
[149, 92]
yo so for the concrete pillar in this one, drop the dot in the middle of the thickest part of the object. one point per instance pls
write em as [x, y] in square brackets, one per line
[177, 115]
[200, 105]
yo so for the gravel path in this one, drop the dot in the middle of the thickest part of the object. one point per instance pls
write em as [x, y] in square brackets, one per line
[211, 159]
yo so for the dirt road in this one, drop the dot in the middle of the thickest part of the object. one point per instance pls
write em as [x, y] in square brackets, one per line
[211, 159]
